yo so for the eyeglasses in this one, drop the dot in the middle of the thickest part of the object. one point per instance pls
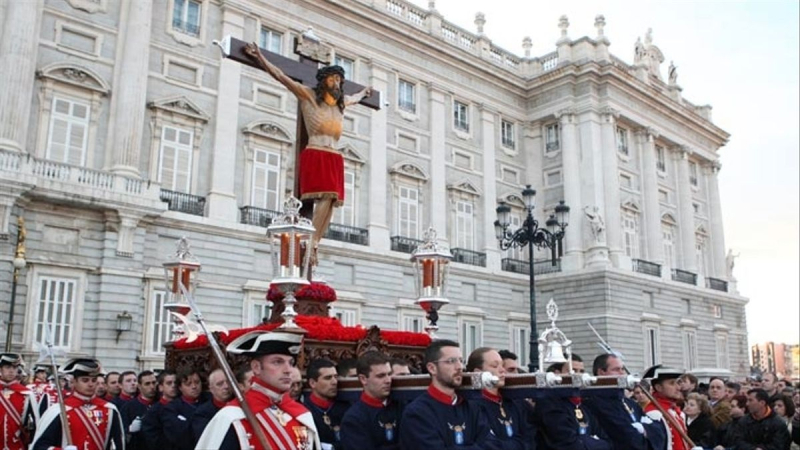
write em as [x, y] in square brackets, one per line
[450, 361]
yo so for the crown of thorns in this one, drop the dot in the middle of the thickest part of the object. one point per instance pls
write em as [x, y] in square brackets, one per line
[327, 71]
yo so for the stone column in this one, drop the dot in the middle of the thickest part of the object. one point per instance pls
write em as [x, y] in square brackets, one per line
[611, 190]
[652, 210]
[686, 213]
[571, 169]
[437, 205]
[595, 245]
[221, 195]
[488, 134]
[130, 87]
[378, 196]
[18, 49]
[717, 230]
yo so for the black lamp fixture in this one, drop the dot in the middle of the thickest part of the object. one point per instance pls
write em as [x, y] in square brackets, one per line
[124, 323]
[531, 235]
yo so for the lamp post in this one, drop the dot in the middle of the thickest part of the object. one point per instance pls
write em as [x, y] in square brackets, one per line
[19, 264]
[529, 234]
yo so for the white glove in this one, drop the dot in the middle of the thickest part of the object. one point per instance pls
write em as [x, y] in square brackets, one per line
[135, 426]
[639, 427]
[697, 448]
[70, 447]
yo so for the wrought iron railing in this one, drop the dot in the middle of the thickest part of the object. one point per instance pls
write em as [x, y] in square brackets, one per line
[647, 267]
[717, 284]
[405, 244]
[344, 233]
[261, 217]
[470, 257]
[185, 203]
[540, 267]
[683, 276]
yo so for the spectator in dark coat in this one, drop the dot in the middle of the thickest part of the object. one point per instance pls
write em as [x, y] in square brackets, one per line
[725, 432]
[698, 420]
[760, 428]
[221, 394]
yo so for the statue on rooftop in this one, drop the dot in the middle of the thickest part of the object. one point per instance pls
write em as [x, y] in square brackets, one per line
[638, 51]
[673, 74]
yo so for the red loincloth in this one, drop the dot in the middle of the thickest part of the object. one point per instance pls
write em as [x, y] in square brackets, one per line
[322, 175]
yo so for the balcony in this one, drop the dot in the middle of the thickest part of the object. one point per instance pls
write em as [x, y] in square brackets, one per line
[683, 276]
[717, 284]
[540, 267]
[250, 215]
[405, 244]
[647, 267]
[351, 235]
[185, 203]
[470, 257]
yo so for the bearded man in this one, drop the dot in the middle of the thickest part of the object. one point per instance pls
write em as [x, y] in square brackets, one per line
[321, 168]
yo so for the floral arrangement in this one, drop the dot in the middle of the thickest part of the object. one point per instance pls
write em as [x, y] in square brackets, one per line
[314, 291]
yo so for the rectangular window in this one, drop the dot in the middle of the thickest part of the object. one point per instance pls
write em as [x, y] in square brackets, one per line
[266, 180]
[700, 248]
[260, 311]
[465, 226]
[186, 17]
[687, 306]
[520, 344]
[690, 350]
[406, 96]
[622, 140]
[346, 215]
[271, 40]
[460, 116]
[69, 131]
[661, 159]
[507, 132]
[55, 310]
[717, 311]
[408, 213]
[722, 352]
[161, 325]
[668, 239]
[413, 323]
[651, 346]
[517, 253]
[471, 336]
[175, 168]
[630, 234]
[693, 173]
[348, 65]
[347, 317]
[552, 134]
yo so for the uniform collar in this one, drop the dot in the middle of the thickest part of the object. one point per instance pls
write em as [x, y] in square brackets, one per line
[372, 401]
[443, 398]
[190, 400]
[164, 400]
[83, 398]
[144, 400]
[218, 404]
[491, 397]
[9, 384]
[270, 391]
[124, 396]
[320, 402]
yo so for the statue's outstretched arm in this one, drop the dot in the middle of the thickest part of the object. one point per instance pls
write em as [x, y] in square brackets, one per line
[302, 92]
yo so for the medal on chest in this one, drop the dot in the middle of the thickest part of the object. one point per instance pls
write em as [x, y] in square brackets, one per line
[7, 393]
[583, 427]
[509, 426]
[280, 415]
[326, 418]
[458, 432]
[388, 429]
[301, 437]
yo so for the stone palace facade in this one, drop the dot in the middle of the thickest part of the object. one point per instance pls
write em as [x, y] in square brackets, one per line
[122, 129]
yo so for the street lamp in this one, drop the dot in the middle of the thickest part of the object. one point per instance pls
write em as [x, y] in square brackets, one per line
[19, 264]
[529, 234]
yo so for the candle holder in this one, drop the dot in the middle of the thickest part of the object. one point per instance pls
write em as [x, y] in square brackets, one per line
[290, 237]
[431, 270]
[180, 271]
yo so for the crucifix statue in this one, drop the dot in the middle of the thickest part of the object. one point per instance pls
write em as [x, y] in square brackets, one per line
[322, 96]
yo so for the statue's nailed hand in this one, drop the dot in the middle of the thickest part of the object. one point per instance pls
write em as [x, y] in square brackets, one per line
[368, 92]
[252, 50]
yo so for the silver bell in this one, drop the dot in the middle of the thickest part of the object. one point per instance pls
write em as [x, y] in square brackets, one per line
[554, 353]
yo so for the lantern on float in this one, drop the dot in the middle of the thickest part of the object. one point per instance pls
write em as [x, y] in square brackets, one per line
[554, 347]
[291, 239]
[431, 268]
[180, 272]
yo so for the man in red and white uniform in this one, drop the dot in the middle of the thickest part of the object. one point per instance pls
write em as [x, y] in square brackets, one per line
[43, 390]
[17, 405]
[94, 423]
[667, 392]
[285, 423]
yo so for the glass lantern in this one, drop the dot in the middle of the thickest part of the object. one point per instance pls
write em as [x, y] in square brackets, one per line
[180, 271]
[431, 267]
[291, 240]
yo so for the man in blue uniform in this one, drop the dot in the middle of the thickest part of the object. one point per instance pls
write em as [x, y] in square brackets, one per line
[221, 394]
[129, 386]
[373, 421]
[152, 428]
[439, 418]
[506, 418]
[133, 411]
[176, 416]
[327, 411]
[622, 418]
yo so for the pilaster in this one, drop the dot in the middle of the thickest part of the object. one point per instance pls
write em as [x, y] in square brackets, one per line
[378, 195]
[686, 216]
[488, 133]
[715, 216]
[570, 154]
[130, 87]
[221, 195]
[652, 210]
[438, 186]
[18, 52]
[593, 200]
[611, 189]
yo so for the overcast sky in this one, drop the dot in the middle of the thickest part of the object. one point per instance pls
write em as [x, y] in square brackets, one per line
[741, 58]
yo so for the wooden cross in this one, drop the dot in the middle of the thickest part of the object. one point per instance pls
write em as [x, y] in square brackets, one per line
[303, 71]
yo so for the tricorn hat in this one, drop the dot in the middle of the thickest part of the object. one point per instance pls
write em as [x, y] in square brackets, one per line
[659, 373]
[13, 359]
[259, 342]
[325, 72]
[81, 367]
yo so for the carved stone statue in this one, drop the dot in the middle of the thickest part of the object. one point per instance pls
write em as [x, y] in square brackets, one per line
[638, 51]
[596, 223]
[730, 260]
[673, 74]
